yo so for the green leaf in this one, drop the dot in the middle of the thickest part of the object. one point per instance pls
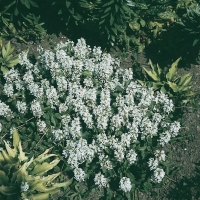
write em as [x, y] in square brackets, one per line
[195, 42]
[173, 86]
[68, 3]
[185, 79]
[4, 179]
[26, 3]
[4, 69]
[40, 169]
[173, 70]
[107, 9]
[142, 22]
[152, 74]
[134, 26]
[8, 190]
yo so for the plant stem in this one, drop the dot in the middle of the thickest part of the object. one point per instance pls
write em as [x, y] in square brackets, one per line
[25, 122]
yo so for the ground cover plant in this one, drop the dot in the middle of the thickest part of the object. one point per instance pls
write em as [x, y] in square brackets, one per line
[110, 129]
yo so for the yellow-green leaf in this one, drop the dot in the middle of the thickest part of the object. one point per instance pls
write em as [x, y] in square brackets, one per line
[134, 26]
[173, 70]
[13, 61]
[16, 138]
[42, 196]
[173, 86]
[186, 81]
[4, 69]
[157, 85]
[40, 169]
[153, 74]
[11, 152]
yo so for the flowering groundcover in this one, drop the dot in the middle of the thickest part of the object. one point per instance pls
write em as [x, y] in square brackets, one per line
[111, 130]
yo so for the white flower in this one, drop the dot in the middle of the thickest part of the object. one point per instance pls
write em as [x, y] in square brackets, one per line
[41, 125]
[58, 134]
[158, 175]
[153, 163]
[5, 111]
[24, 186]
[125, 184]
[131, 156]
[100, 180]
[79, 174]
[36, 109]
[8, 89]
[21, 106]
[160, 155]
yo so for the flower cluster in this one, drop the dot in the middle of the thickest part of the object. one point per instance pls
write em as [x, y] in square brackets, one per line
[153, 164]
[103, 115]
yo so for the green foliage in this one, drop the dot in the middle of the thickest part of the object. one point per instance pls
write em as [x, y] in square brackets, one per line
[17, 21]
[191, 25]
[178, 88]
[16, 171]
[6, 59]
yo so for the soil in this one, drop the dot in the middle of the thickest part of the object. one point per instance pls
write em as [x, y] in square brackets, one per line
[183, 155]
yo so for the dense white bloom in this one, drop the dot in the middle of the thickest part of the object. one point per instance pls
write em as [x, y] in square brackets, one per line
[63, 108]
[160, 155]
[58, 134]
[36, 109]
[5, 111]
[158, 175]
[131, 156]
[52, 96]
[174, 128]
[79, 174]
[11, 76]
[8, 89]
[119, 155]
[41, 125]
[153, 163]
[28, 77]
[21, 106]
[100, 180]
[24, 186]
[125, 184]
[164, 138]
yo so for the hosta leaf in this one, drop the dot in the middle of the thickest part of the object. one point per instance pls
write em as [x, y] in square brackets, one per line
[44, 156]
[65, 184]
[7, 190]
[4, 69]
[11, 152]
[173, 70]
[173, 86]
[184, 88]
[152, 74]
[4, 179]
[40, 169]
[21, 155]
[68, 3]
[185, 79]
[42, 196]
[157, 85]
[13, 61]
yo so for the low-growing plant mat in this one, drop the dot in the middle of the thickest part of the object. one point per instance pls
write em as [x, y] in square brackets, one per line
[184, 152]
